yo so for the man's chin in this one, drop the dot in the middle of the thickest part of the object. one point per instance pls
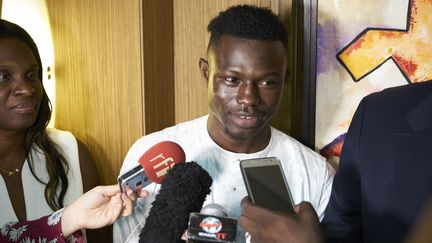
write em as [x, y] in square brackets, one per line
[243, 134]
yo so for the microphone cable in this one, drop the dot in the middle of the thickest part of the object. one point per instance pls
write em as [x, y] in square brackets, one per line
[142, 218]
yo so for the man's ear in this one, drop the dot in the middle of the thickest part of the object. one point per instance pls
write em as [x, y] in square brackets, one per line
[204, 68]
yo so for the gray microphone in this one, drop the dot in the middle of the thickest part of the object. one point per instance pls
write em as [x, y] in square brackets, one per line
[215, 210]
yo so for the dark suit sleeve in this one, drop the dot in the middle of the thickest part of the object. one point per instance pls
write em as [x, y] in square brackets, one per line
[343, 220]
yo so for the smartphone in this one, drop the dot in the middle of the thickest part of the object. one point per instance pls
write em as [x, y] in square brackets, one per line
[135, 179]
[266, 184]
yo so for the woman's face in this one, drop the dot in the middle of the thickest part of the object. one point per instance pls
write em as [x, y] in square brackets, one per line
[20, 87]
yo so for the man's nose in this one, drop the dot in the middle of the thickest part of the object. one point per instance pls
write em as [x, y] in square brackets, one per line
[248, 94]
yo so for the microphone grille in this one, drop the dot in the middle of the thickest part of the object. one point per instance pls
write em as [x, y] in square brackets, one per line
[214, 209]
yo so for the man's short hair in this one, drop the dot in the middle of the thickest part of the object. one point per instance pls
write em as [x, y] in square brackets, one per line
[249, 22]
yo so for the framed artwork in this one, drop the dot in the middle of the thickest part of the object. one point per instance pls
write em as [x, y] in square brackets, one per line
[353, 48]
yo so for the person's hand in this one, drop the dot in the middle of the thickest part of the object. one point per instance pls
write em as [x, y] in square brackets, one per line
[265, 225]
[421, 232]
[97, 208]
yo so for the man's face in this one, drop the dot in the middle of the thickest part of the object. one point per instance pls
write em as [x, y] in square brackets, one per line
[245, 79]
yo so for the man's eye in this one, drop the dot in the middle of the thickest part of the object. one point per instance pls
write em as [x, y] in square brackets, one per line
[267, 82]
[4, 76]
[232, 80]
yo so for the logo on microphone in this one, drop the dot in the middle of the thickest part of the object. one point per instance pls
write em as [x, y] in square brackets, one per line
[160, 158]
[211, 225]
[210, 228]
[166, 163]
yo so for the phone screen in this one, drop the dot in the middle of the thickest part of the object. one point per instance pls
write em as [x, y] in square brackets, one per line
[266, 184]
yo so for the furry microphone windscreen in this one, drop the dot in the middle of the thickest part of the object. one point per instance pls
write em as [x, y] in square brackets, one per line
[183, 191]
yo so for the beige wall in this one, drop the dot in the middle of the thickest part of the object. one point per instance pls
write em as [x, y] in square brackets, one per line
[97, 46]
[158, 44]
[125, 68]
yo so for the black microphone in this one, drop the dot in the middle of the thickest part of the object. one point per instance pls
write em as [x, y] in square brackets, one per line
[211, 225]
[183, 191]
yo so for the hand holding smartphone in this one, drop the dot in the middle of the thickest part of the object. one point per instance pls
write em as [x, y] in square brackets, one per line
[266, 184]
[134, 179]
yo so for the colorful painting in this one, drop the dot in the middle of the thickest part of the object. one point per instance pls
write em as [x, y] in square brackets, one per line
[364, 46]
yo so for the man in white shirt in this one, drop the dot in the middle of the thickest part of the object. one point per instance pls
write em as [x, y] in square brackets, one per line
[246, 68]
